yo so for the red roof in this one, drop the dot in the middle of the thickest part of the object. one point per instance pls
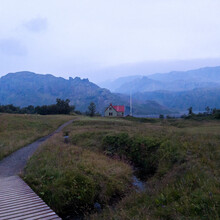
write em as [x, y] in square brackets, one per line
[119, 108]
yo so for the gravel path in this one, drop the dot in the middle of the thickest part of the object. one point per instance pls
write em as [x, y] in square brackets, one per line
[15, 163]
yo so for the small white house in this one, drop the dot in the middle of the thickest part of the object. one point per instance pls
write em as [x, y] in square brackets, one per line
[115, 111]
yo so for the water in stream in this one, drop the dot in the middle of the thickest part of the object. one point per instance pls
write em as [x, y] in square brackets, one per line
[137, 184]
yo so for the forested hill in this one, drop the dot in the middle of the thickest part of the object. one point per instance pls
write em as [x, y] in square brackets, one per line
[28, 88]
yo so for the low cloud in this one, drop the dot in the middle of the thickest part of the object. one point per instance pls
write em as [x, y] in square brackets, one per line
[36, 25]
[10, 46]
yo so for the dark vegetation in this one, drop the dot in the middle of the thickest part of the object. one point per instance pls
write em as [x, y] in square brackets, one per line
[208, 114]
[178, 159]
[92, 109]
[141, 152]
[61, 107]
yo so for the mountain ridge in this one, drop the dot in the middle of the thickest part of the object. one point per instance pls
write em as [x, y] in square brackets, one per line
[28, 88]
[198, 98]
[208, 77]
[206, 73]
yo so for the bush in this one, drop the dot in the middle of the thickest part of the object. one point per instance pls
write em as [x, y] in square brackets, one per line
[217, 114]
[144, 152]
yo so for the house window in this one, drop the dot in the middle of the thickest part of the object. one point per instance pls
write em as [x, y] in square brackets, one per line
[110, 113]
[110, 108]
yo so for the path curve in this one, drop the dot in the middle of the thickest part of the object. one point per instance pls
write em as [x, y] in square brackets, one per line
[14, 163]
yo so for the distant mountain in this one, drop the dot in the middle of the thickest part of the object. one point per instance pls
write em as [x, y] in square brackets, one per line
[199, 99]
[141, 84]
[146, 68]
[146, 84]
[27, 88]
[113, 85]
[176, 90]
[174, 81]
[207, 74]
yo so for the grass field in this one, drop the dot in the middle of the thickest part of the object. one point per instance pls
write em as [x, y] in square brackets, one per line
[178, 159]
[72, 179]
[17, 131]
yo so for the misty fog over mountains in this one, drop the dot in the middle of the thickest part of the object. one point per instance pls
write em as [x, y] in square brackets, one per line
[152, 94]
[208, 77]
[28, 88]
[177, 90]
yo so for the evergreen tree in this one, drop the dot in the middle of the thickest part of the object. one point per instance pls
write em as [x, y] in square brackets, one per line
[91, 109]
[190, 111]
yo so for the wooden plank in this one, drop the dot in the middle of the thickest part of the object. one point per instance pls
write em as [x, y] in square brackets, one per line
[8, 190]
[46, 218]
[8, 203]
[15, 195]
[19, 201]
[29, 213]
[16, 198]
[40, 215]
[25, 211]
[21, 206]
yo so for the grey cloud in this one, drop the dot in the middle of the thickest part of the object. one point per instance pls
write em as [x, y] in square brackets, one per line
[36, 24]
[10, 46]
[80, 37]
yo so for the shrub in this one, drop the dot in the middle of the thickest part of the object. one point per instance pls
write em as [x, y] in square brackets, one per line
[144, 152]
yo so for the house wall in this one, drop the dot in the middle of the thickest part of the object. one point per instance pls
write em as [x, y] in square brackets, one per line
[120, 114]
[110, 112]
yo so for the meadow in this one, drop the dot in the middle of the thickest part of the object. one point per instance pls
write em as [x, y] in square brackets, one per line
[178, 159]
[17, 130]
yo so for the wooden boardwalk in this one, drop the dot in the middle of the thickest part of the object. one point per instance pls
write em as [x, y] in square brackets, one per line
[19, 201]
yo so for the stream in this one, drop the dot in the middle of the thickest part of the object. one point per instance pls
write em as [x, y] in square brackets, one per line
[138, 185]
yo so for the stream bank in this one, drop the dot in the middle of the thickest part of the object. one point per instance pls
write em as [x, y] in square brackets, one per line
[137, 184]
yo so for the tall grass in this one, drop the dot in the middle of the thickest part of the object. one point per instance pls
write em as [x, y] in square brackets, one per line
[72, 179]
[185, 182]
[17, 131]
[180, 160]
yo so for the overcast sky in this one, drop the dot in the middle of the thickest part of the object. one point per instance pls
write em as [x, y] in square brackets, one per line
[80, 37]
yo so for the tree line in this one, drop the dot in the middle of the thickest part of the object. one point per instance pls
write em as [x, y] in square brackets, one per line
[61, 107]
[209, 113]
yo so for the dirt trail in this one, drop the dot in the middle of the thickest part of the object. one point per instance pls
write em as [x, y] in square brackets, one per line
[15, 163]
